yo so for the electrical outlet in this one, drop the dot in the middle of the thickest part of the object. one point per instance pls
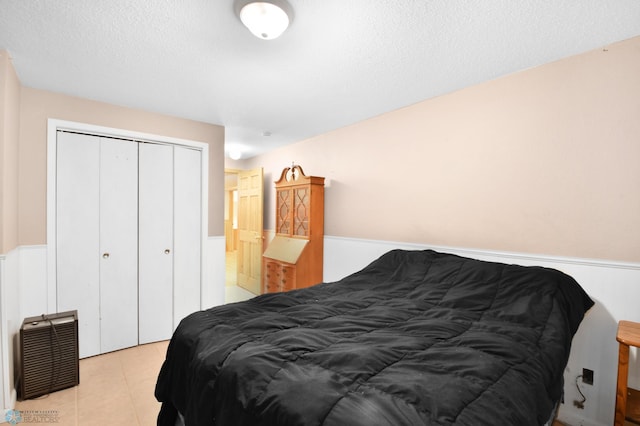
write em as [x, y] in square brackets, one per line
[587, 376]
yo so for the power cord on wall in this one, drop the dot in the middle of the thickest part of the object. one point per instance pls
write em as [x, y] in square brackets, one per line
[579, 404]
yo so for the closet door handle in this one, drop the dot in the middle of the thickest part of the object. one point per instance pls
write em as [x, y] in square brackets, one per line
[167, 251]
[105, 255]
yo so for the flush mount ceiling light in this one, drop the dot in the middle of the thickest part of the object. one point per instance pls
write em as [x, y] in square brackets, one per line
[265, 20]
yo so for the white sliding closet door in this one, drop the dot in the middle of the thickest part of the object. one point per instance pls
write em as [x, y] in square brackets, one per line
[96, 213]
[155, 319]
[118, 244]
[188, 231]
[78, 239]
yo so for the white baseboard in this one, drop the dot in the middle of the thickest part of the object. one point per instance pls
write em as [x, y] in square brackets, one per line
[614, 286]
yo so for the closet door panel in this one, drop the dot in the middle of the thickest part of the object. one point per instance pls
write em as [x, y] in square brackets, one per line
[188, 232]
[155, 319]
[118, 244]
[77, 236]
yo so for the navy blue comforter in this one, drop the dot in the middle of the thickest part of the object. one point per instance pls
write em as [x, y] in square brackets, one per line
[415, 338]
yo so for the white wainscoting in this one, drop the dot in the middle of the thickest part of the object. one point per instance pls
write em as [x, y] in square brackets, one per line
[214, 289]
[33, 278]
[11, 322]
[34, 298]
[614, 286]
[4, 361]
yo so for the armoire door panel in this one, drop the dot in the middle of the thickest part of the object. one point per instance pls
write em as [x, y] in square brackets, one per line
[77, 237]
[118, 244]
[156, 251]
[188, 231]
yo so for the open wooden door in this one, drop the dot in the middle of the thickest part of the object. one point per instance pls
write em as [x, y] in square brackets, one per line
[250, 207]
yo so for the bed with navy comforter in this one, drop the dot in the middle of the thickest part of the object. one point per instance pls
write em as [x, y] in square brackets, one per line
[415, 338]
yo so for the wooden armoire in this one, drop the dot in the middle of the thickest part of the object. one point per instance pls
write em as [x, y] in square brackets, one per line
[294, 257]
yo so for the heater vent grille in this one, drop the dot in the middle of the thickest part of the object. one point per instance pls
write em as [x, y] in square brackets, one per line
[49, 354]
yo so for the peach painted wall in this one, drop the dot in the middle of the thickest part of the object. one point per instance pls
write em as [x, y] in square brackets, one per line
[37, 106]
[543, 161]
[9, 125]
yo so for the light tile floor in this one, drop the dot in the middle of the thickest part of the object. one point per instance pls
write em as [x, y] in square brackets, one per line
[233, 292]
[231, 272]
[115, 389]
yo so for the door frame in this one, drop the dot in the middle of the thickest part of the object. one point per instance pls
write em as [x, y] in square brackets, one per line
[227, 189]
[53, 125]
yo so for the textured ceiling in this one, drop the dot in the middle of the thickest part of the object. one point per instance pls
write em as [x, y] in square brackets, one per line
[339, 62]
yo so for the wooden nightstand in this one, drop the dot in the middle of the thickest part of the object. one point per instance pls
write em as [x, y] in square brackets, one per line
[627, 400]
